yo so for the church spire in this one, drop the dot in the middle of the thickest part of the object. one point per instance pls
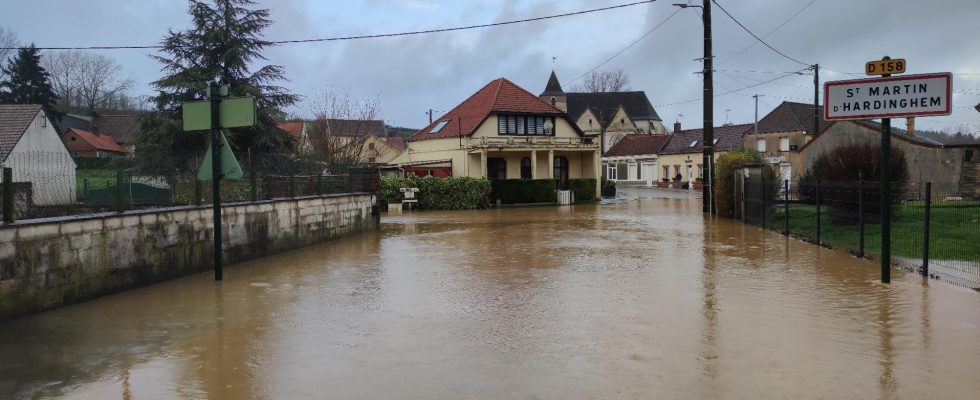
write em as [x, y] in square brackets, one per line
[553, 88]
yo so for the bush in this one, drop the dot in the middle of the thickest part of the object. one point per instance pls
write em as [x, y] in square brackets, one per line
[520, 191]
[725, 177]
[584, 189]
[843, 167]
[452, 193]
[609, 187]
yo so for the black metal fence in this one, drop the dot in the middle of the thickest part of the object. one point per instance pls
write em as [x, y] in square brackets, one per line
[44, 185]
[935, 229]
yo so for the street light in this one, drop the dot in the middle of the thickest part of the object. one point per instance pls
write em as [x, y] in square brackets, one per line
[709, 133]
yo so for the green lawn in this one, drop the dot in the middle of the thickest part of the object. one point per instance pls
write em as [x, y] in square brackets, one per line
[954, 233]
[97, 178]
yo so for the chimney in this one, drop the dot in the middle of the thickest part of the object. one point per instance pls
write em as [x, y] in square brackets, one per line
[910, 125]
[677, 126]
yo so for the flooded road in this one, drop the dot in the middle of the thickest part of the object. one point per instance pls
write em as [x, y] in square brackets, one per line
[636, 300]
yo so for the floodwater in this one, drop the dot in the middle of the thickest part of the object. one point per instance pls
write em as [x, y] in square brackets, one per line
[635, 300]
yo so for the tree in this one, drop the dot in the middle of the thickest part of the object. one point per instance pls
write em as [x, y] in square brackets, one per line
[92, 79]
[604, 81]
[222, 44]
[27, 82]
[8, 40]
[340, 129]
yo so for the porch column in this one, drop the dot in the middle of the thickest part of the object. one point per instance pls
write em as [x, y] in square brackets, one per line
[483, 163]
[597, 158]
[534, 164]
[551, 164]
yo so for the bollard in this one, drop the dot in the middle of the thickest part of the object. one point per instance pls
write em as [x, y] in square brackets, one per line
[861, 218]
[119, 190]
[818, 212]
[925, 230]
[786, 205]
[8, 195]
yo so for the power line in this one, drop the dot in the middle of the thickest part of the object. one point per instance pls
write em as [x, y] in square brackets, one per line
[758, 38]
[733, 91]
[374, 36]
[767, 34]
[628, 46]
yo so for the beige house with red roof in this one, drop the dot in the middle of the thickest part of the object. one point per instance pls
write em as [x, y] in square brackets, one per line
[633, 159]
[82, 143]
[503, 132]
[683, 155]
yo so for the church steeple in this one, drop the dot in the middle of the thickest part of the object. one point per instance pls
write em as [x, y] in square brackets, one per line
[553, 93]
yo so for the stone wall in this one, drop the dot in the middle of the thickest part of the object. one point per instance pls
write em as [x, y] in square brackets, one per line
[50, 263]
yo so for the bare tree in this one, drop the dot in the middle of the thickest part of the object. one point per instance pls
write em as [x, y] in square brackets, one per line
[341, 128]
[8, 40]
[86, 80]
[604, 81]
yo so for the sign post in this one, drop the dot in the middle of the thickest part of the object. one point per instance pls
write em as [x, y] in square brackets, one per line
[884, 98]
[218, 112]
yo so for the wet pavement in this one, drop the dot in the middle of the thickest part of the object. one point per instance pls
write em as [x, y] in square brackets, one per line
[634, 300]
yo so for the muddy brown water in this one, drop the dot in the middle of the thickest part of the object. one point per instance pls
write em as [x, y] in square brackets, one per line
[638, 300]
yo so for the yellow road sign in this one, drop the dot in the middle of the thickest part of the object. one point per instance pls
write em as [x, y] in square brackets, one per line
[882, 67]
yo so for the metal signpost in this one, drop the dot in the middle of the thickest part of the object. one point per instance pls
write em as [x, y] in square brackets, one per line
[219, 112]
[884, 98]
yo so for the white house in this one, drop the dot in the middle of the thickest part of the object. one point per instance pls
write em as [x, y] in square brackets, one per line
[31, 147]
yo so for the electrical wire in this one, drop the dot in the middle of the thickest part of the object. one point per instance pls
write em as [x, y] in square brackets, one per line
[758, 38]
[374, 36]
[627, 47]
[733, 91]
[767, 34]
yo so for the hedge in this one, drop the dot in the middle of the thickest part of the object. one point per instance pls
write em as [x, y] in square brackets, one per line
[452, 193]
[584, 189]
[725, 168]
[523, 191]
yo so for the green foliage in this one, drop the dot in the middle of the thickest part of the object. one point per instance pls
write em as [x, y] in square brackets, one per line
[609, 188]
[584, 189]
[452, 193]
[847, 164]
[27, 83]
[523, 191]
[724, 183]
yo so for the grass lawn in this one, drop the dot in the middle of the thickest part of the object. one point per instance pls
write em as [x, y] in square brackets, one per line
[954, 233]
[97, 178]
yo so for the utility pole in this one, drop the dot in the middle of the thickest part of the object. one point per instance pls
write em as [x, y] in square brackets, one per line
[430, 116]
[886, 204]
[756, 128]
[709, 134]
[816, 99]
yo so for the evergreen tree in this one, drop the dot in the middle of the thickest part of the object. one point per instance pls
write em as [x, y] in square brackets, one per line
[27, 83]
[223, 43]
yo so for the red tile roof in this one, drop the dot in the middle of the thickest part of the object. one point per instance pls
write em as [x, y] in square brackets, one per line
[397, 143]
[729, 137]
[294, 129]
[497, 97]
[97, 141]
[14, 120]
[637, 144]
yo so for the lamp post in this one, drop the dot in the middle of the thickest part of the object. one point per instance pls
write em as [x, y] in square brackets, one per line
[708, 101]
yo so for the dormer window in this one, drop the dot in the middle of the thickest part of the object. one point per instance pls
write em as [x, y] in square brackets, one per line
[694, 143]
[439, 126]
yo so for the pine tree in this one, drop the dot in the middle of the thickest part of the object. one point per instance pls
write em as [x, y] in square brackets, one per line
[222, 45]
[27, 83]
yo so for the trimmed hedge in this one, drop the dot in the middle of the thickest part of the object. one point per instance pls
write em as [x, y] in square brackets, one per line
[452, 193]
[522, 191]
[584, 189]
[725, 168]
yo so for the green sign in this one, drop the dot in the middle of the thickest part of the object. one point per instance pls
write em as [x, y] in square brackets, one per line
[229, 165]
[233, 112]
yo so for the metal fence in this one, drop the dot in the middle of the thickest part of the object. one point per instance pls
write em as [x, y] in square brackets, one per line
[934, 228]
[44, 185]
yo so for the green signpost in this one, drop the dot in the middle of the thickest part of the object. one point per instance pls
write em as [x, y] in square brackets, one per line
[219, 112]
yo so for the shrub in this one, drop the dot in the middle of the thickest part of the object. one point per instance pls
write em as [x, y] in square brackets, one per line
[452, 193]
[840, 169]
[518, 191]
[725, 177]
[584, 189]
[609, 187]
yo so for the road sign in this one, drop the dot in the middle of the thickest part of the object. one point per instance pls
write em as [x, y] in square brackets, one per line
[887, 97]
[235, 112]
[883, 67]
[229, 165]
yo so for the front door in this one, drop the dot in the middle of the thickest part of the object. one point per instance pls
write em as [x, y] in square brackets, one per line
[648, 170]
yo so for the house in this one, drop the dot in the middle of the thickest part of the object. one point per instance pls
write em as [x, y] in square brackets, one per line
[503, 131]
[781, 134]
[31, 147]
[683, 154]
[82, 143]
[950, 167]
[634, 158]
[122, 128]
[610, 116]
[298, 130]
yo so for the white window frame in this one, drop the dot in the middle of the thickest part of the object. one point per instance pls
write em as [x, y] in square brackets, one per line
[611, 171]
[760, 145]
[784, 143]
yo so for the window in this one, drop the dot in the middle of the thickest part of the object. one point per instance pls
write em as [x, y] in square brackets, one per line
[694, 143]
[784, 144]
[590, 121]
[700, 171]
[439, 126]
[526, 168]
[760, 145]
[370, 146]
[666, 172]
[611, 171]
[622, 121]
[524, 125]
[553, 101]
[561, 168]
[496, 168]
[715, 141]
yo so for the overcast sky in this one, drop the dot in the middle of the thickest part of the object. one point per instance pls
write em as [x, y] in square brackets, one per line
[411, 74]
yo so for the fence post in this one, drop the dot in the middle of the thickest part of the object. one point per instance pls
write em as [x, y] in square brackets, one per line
[8, 195]
[319, 184]
[197, 191]
[861, 218]
[84, 189]
[764, 201]
[252, 179]
[119, 190]
[744, 186]
[818, 212]
[786, 204]
[925, 230]
[292, 185]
